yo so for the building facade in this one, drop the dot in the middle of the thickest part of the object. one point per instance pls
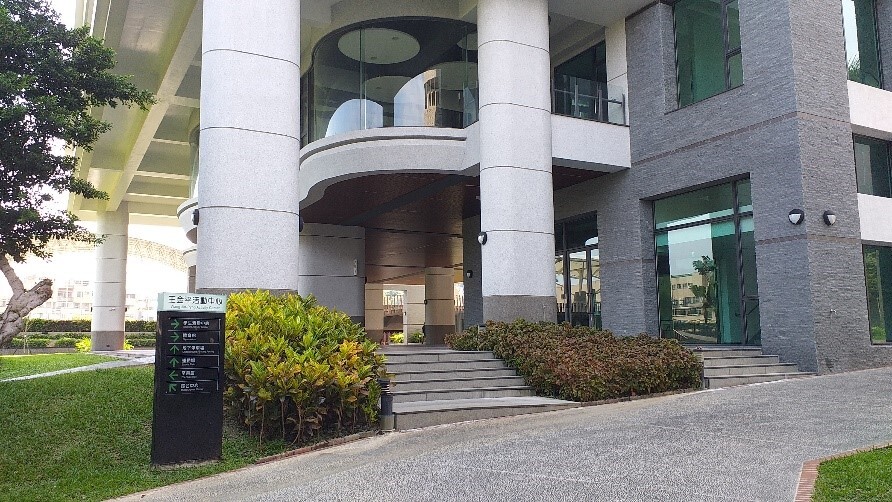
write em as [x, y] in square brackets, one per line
[714, 171]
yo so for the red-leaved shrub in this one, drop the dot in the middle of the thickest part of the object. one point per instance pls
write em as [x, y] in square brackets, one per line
[585, 364]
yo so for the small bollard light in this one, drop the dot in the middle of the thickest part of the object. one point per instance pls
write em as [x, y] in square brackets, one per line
[386, 422]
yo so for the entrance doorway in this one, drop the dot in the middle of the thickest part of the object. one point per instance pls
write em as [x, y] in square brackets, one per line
[577, 268]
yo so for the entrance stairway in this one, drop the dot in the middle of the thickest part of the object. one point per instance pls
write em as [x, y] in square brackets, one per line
[724, 366]
[433, 386]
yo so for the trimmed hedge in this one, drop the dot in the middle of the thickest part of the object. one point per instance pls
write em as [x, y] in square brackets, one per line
[82, 326]
[584, 364]
[296, 369]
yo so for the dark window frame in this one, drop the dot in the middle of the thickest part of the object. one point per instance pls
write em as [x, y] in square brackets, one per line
[879, 48]
[888, 145]
[728, 51]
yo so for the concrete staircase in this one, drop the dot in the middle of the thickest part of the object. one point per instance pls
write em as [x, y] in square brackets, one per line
[725, 366]
[433, 386]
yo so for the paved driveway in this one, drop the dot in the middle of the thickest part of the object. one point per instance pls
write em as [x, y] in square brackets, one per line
[744, 443]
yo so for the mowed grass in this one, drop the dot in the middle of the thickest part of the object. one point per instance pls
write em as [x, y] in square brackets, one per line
[860, 477]
[87, 436]
[17, 366]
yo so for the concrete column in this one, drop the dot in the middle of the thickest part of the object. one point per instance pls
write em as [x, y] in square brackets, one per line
[332, 267]
[517, 199]
[374, 311]
[439, 304]
[110, 293]
[250, 143]
[472, 264]
[413, 308]
[189, 258]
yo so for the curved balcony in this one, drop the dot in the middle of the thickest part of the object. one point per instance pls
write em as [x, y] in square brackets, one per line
[399, 72]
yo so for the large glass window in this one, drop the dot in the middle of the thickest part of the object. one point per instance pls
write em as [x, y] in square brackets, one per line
[581, 89]
[707, 45]
[706, 266]
[873, 168]
[878, 276]
[862, 42]
[577, 272]
[393, 73]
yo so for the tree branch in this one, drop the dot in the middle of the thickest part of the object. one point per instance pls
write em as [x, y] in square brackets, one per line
[11, 277]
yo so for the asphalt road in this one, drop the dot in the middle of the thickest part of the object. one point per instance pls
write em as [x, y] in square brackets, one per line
[737, 444]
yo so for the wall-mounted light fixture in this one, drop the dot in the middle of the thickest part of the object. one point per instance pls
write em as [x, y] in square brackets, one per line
[829, 218]
[797, 216]
[300, 224]
[469, 274]
[195, 217]
[481, 238]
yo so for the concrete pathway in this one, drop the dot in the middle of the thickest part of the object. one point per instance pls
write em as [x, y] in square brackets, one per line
[127, 358]
[737, 444]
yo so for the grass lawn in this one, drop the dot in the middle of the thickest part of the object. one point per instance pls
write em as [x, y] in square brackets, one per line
[87, 436]
[16, 366]
[864, 476]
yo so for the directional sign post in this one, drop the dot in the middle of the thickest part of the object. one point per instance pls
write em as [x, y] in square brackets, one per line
[187, 424]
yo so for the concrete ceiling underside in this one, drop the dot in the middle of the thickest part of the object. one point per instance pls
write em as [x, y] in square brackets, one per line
[412, 221]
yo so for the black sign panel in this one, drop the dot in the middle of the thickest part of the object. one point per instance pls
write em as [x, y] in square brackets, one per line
[187, 425]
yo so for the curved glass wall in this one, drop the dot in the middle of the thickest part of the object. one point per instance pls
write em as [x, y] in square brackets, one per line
[400, 72]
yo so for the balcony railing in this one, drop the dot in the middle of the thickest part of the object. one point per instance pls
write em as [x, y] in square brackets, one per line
[588, 100]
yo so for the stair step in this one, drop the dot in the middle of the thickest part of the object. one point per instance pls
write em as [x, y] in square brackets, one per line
[731, 380]
[428, 413]
[445, 365]
[726, 351]
[458, 383]
[739, 360]
[465, 393]
[447, 374]
[749, 369]
[395, 357]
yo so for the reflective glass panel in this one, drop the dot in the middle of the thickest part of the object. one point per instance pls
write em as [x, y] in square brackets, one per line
[878, 278]
[700, 50]
[862, 46]
[699, 205]
[872, 167]
[394, 73]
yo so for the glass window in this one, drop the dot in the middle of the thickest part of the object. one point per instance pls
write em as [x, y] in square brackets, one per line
[699, 205]
[706, 266]
[707, 45]
[393, 73]
[862, 46]
[878, 277]
[578, 272]
[873, 168]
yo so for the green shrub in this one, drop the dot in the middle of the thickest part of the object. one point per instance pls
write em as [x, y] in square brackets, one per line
[82, 326]
[83, 345]
[142, 342]
[65, 342]
[584, 364]
[417, 337]
[397, 338]
[295, 368]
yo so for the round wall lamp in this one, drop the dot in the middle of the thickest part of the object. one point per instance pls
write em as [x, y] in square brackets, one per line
[481, 238]
[829, 218]
[469, 274]
[797, 216]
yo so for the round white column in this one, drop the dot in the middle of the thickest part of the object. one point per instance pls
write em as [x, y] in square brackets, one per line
[110, 287]
[516, 194]
[439, 304]
[250, 143]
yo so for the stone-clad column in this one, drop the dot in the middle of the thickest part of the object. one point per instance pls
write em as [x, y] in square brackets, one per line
[110, 288]
[374, 311]
[439, 304]
[250, 143]
[517, 200]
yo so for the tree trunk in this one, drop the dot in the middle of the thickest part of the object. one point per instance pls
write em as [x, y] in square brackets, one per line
[23, 301]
